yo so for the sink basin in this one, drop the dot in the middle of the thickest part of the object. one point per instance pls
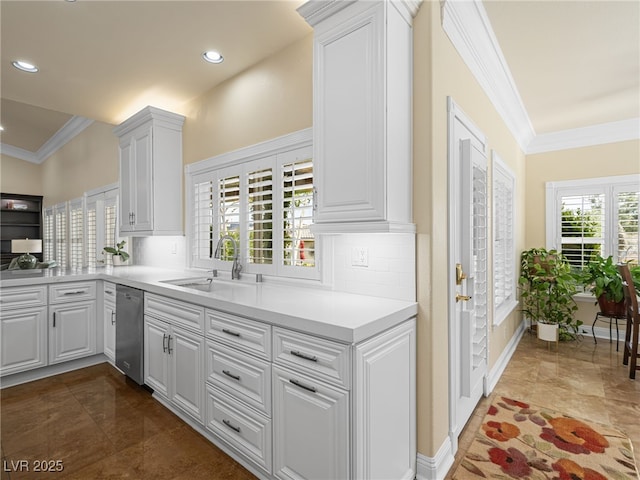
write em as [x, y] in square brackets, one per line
[204, 284]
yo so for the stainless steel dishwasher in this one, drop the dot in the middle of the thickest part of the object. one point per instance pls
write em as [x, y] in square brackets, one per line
[130, 332]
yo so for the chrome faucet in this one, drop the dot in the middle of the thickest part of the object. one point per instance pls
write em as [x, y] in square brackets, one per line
[236, 268]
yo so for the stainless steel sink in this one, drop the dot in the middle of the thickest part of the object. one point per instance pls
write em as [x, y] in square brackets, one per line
[205, 284]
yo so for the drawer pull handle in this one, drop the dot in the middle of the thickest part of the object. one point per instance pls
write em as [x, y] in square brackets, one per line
[164, 342]
[75, 292]
[109, 292]
[311, 358]
[113, 319]
[230, 332]
[54, 319]
[301, 385]
[232, 427]
[169, 344]
[231, 375]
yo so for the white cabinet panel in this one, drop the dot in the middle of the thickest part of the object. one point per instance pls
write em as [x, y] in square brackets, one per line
[23, 335]
[241, 333]
[175, 312]
[311, 428]
[151, 173]
[156, 360]
[186, 352]
[109, 326]
[19, 297]
[72, 292]
[72, 331]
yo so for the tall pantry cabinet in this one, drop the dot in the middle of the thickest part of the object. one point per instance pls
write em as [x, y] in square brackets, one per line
[151, 173]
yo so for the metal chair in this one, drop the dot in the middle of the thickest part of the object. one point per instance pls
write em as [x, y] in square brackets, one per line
[631, 354]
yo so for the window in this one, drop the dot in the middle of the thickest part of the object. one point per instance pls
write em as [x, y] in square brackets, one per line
[102, 205]
[262, 197]
[594, 216]
[504, 250]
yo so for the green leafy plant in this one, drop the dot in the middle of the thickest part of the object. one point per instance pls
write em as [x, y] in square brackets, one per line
[601, 277]
[547, 286]
[118, 251]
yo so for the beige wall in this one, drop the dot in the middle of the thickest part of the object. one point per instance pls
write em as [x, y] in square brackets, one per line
[622, 158]
[88, 161]
[270, 99]
[19, 176]
[439, 72]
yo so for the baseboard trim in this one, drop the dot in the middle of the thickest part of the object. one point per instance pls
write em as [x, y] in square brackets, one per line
[498, 369]
[51, 370]
[435, 468]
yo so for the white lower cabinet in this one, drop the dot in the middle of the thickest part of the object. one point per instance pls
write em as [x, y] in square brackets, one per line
[174, 365]
[24, 339]
[109, 321]
[72, 331]
[311, 428]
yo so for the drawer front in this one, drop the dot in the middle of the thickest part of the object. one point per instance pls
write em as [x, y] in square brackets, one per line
[72, 292]
[240, 375]
[175, 312]
[243, 428]
[109, 292]
[18, 297]
[247, 335]
[322, 359]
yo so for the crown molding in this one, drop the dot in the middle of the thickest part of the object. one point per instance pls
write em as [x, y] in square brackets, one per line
[19, 153]
[611, 132]
[468, 27]
[68, 131]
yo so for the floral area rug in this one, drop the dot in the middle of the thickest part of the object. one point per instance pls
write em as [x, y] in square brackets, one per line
[519, 440]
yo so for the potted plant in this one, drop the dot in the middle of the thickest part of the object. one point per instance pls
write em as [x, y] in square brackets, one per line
[547, 286]
[119, 255]
[601, 277]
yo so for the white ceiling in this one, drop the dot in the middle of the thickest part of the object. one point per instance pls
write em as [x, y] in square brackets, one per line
[575, 63]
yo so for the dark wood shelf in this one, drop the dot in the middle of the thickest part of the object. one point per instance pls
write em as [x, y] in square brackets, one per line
[19, 222]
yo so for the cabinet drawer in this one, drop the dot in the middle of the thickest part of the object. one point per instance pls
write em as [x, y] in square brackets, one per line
[175, 312]
[72, 292]
[18, 297]
[109, 292]
[247, 335]
[323, 359]
[239, 425]
[240, 375]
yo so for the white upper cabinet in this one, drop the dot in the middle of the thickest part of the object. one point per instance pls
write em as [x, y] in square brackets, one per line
[362, 74]
[151, 173]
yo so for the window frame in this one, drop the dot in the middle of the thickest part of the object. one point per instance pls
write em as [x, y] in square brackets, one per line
[269, 154]
[609, 186]
[502, 172]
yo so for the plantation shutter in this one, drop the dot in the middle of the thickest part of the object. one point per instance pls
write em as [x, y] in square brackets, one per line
[582, 227]
[91, 243]
[259, 216]
[110, 225]
[480, 277]
[298, 243]
[627, 232]
[61, 234]
[49, 235]
[229, 213]
[203, 245]
[504, 258]
[76, 233]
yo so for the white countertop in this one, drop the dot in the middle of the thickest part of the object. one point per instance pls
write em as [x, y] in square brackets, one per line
[340, 316]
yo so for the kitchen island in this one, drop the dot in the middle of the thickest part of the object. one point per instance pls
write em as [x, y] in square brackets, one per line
[291, 381]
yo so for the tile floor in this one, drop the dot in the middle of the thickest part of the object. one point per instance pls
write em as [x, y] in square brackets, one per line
[102, 427]
[581, 379]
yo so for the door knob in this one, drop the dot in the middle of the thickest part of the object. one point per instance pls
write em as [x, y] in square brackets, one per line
[464, 298]
[460, 275]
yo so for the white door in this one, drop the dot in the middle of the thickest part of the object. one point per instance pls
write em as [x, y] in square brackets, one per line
[156, 357]
[72, 332]
[467, 269]
[186, 351]
[311, 428]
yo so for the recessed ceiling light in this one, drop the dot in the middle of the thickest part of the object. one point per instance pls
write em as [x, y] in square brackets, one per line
[213, 57]
[24, 66]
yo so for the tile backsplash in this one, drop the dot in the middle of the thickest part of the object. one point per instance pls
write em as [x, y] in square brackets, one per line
[164, 252]
[377, 264]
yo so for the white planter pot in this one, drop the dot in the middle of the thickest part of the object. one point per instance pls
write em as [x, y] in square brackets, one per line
[117, 261]
[548, 331]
